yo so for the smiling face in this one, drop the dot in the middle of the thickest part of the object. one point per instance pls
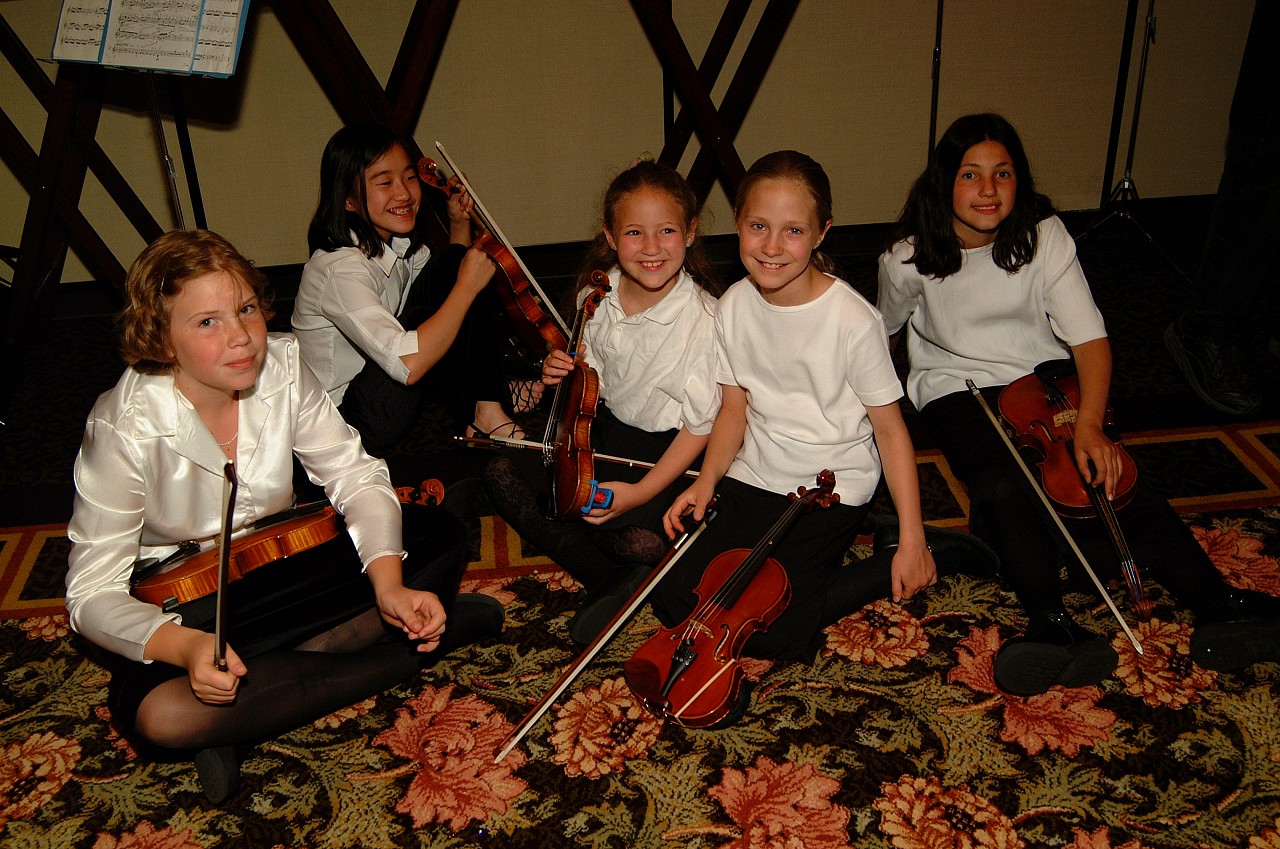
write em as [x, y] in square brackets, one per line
[392, 194]
[650, 235]
[983, 194]
[778, 230]
[217, 337]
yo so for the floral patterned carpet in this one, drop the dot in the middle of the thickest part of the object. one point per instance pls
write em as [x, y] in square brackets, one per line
[895, 737]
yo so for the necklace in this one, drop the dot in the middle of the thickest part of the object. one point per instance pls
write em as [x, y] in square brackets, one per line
[231, 440]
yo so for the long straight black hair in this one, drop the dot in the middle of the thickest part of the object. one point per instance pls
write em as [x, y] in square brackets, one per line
[928, 213]
[349, 152]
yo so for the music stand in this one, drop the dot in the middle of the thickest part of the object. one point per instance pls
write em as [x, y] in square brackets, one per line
[1120, 202]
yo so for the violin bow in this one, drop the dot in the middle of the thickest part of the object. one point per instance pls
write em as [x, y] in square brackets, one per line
[230, 483]
[506, 442]
[492, 225]
[1008, 443]
[638, 597]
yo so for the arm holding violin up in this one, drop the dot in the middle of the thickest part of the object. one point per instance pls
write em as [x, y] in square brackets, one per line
[913, 567]
[437, 333]
[727, 436]
[1093, 370]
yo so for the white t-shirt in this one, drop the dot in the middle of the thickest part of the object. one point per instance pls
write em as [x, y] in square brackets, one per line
[657, 366]
[810, 372]
[346, 310]
[984, 324]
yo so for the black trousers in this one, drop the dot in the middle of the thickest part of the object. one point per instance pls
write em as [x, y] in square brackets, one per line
[1007, 514]
[384, 410]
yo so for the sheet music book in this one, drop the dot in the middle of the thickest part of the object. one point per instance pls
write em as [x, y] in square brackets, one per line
[184, 36]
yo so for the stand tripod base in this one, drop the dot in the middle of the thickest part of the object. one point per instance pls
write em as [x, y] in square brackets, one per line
[1119, 205]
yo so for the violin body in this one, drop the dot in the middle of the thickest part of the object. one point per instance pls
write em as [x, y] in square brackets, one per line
[705, 651]
[1040, 409]
[197, 576]
[571, 459]
[692, 674]
[1042, 421]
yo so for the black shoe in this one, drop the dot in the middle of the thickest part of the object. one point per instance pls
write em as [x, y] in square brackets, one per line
[475, 617]
[1054, 651]
[953, 551]
[219, 773]
[1213, 371]
[1237, 630]
[598, 612]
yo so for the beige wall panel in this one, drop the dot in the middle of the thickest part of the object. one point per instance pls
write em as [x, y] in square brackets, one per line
[1050, 68]
[544, 103]
[1191, 75]
[850, 86]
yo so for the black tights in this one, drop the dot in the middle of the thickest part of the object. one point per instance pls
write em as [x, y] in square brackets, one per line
[296, 673]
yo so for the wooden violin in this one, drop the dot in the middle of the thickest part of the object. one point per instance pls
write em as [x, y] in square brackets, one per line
[569, 458]
[537, 327]
[1040, 410]
[196, 576]
[692, 673]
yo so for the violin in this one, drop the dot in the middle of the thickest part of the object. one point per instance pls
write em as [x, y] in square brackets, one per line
[692, 673]
[569, 457]
[196, 575]
[1040, 410]
[537, 326]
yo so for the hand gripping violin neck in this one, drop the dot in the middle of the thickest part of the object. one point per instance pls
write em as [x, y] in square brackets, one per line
[692, 674]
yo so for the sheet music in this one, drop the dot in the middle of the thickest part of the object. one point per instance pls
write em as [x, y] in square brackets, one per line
[155, 34]
[80, 28]
[184, 36]
[218, 43]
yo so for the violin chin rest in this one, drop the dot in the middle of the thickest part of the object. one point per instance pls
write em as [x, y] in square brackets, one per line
[644, 678]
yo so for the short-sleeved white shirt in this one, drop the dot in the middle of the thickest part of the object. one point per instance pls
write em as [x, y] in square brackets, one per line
[982, 323]
[657, 366]
[810, 372]
[346, 311]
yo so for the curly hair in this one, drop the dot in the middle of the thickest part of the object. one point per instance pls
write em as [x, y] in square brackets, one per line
[648, 174]
[158, 275]
[927, 216]
[795, 167]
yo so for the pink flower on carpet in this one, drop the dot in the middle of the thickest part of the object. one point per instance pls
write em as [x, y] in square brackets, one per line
[975, 657]
[754, 668]
[1163, 676]
[1063, 719]
[782, 805]
[341, 715]
[918, 813]
[558, 580]
[116, 739]
[453, 742]
[496, 587]
[47, 628]
[1100, 839]
[882, 633]
[1268, 838]
[1240, 559]
[33, 772]
[600, 728]
[147, 836]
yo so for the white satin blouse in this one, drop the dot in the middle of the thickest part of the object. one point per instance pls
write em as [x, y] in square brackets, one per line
[149, 476]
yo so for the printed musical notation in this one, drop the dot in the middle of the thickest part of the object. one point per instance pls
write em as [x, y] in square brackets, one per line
[185, 36]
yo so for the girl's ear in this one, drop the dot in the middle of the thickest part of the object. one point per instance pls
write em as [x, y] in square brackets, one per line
[608, 237]
[350, 205]
[692, 232]
[822, 234]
